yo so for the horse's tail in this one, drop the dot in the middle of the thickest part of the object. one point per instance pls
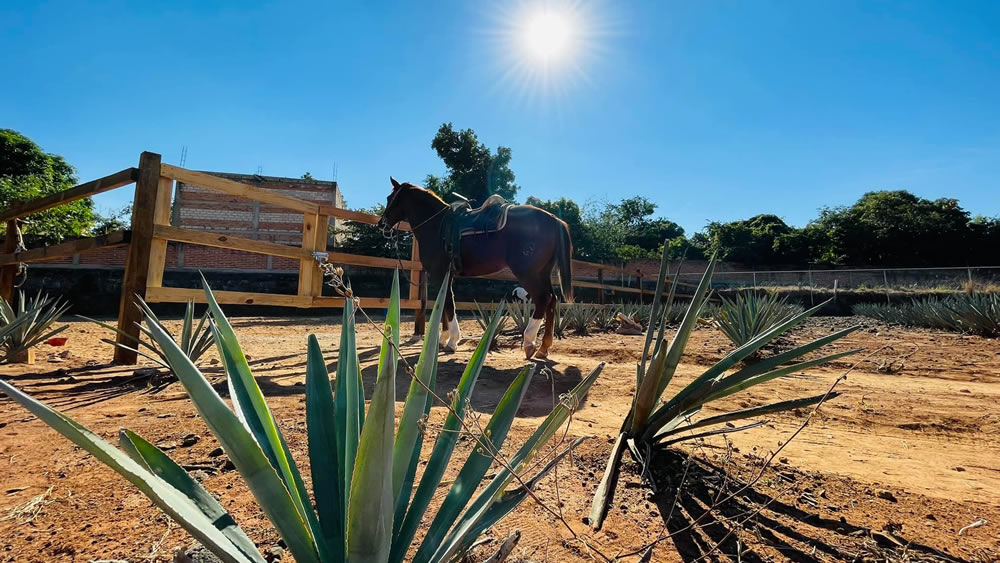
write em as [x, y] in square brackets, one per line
[564, 259]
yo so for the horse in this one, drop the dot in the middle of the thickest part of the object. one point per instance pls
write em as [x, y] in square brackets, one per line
[531, 243]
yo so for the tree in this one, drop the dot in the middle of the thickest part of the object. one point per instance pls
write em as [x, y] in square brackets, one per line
[984, 249]
[567, 210]
[627, 231]
[682, 247]
[473, 170]
[897, 228]
[367, 240]
[119, 220]
[750, 241]
[27, 173]
[308, 176]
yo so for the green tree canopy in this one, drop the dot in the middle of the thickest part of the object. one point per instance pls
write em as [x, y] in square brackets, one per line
[473, 170]
[897, 228]
[567, 210]
[750, 241]
[361, 238]
[27, 173]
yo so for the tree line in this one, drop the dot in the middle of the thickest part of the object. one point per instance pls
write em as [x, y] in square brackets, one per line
[882, 228]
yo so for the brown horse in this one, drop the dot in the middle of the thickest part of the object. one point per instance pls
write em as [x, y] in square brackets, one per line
[531, 244]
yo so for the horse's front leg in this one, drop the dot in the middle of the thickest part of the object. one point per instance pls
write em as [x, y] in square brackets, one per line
[449, 320]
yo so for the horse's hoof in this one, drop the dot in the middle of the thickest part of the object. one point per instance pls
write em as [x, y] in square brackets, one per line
[450, 348]
[542, 354]
[529, 351]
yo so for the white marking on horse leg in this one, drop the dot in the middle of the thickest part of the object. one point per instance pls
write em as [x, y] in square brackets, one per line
[530, 335]
[454, 335]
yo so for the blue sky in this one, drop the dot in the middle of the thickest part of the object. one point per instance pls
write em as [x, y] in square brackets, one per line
[714, 110]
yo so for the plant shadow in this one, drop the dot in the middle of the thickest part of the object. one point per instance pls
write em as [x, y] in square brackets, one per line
[712, 516]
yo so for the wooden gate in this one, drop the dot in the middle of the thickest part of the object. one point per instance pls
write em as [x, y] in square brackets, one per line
[151, 231]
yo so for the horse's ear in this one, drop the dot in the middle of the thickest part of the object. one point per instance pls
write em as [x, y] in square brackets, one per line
[395, 184]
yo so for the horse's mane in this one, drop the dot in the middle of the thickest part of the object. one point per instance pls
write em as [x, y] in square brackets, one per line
[426, 191]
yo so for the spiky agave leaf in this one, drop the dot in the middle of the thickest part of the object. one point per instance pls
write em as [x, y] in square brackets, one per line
[194, 340]
[348, 452]
[653, 419]
[751, 314]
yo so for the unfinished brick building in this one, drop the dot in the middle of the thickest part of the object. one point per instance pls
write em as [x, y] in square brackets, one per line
[206, 210]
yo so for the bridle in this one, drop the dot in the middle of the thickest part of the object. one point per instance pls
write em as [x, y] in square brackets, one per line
[391, 233]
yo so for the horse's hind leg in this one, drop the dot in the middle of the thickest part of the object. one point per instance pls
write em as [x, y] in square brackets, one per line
[449, 320]
[550, 316]
[541, 295]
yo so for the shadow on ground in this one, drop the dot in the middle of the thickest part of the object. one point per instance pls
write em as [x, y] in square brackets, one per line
[747, 524]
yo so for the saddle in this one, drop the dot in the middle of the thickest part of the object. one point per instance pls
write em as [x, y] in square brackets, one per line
[464, 220]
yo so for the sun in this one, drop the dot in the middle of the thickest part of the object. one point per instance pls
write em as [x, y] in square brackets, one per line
[547, 36]
[545, 50]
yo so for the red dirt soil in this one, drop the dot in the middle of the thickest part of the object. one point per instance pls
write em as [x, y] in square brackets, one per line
[892, 469]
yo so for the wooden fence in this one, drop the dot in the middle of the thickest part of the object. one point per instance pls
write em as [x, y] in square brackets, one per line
[151, 231]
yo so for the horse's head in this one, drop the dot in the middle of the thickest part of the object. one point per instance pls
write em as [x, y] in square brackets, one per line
[394, 208]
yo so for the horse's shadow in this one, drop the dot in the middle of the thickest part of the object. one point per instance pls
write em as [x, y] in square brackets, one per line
[542, 394]
[708, 522]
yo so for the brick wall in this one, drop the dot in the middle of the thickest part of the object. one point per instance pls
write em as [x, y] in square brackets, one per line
[207, 210]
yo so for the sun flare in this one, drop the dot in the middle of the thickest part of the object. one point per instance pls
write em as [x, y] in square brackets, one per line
[547, 36]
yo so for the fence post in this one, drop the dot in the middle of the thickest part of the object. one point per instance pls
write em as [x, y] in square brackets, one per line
[137, 263]
[308, 269]
[755, 279]
[9, 272]
[418, 291]
[812, 300]
[158, 247]
[420, 318]
[638, 280]
[322, 236]
[885, 280]
[600, 281]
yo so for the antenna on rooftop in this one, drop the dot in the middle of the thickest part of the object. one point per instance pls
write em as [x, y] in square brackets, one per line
[333, 177]
[184, 156]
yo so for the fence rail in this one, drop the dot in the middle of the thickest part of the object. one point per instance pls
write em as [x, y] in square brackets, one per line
[150, 233]
[893, 279]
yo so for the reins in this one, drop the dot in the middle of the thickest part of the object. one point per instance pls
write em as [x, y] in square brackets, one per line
[392, 234]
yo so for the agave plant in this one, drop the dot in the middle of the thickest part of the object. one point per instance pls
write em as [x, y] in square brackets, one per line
[194, 341]
[30, 323]
[520, 314]
[604, 318]
[752, 314]
[638, 312]
[977, 313]
[579, 317]
[483, 319]
[658, 420]
[363, 469]
[561, 320]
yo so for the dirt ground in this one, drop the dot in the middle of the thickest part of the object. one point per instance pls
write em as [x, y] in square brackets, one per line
[893, 469]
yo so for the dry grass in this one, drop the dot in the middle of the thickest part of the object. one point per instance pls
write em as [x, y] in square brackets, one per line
[972, 286]
[30, 510]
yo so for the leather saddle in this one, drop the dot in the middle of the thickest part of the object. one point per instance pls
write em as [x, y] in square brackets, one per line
[464, 220]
